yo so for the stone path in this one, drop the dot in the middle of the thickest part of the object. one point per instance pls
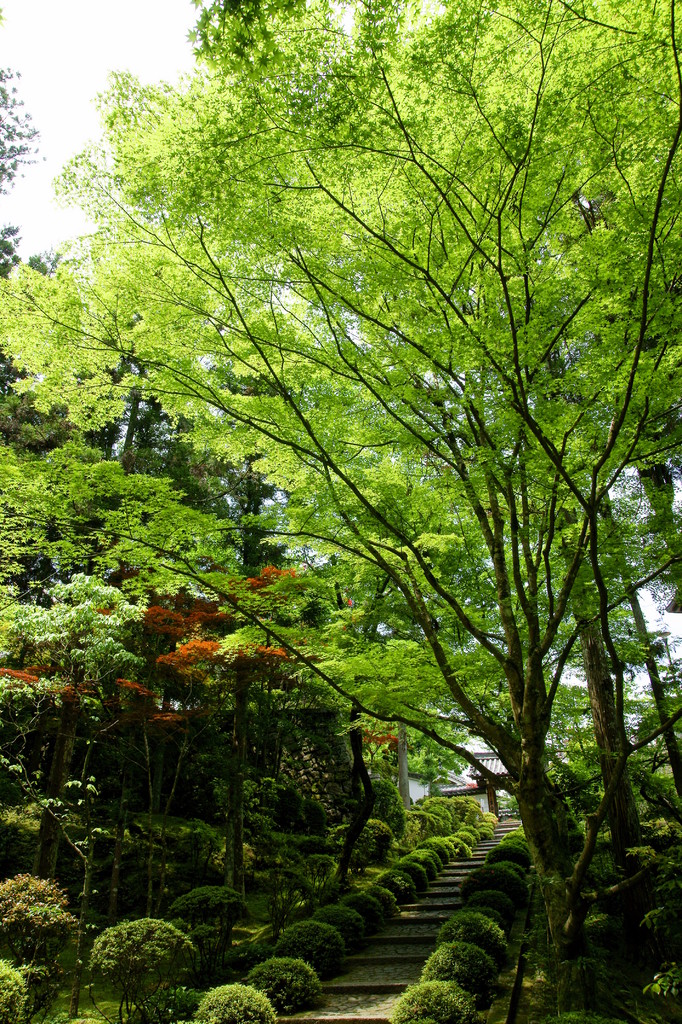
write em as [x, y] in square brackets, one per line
[373, 980]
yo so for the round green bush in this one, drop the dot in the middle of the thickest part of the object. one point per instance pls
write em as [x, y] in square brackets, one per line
[419, 825]
[235, 1004]
[494, 898]
[467, 964]
[429, 860]
[13, 994]
[380, 839]
[469, 926]
[469, 836]
[388, 806]
[389, 903]
[490, 912]
[461, 849]
[441, 847]
[442, 1001]
[368, 907]
[319, 944]
[516, 852]
[416, 872]
[247, 954]
[485, 831]
[347, 921]
[497, 876]
[289, 984]
[400, 884]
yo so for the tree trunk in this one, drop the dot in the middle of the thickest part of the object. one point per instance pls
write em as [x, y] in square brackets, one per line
[45, 861]
[234, 833]
[82, 927]
[669, 738]
[623, 815]
[112, 916]
[403, 775]
[365, 804]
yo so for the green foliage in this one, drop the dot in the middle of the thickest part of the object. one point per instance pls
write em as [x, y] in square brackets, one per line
[246, 955]
[138, 958]
[347, 921]
[17, 132]
[429, 860]
[374, 841]
[369, 908]
[13, 994]
[400, 884]
[209, 914]
[510, 850]
[173, 1004]
[288, 891]
[35, 927]
[389, 904]
[503, 876]
[416, 872]
[290, 984]
[315, 817]
[581, 1017]
[469, 926]
[319, 944]
[442, 1001]
[495, 898]
[462, 849]
[467, 964]
[421, 825]
[661, 834]
[443, 848]
[469, 836]
[235, 1004]
[388, 807]
[318, 869]
[490, 912]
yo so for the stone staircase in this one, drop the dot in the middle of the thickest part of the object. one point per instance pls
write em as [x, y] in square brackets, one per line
[373, 980]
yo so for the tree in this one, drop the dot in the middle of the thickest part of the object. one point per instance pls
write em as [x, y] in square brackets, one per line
[448, 262]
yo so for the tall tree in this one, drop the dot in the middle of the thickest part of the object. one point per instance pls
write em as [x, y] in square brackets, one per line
[428, 274]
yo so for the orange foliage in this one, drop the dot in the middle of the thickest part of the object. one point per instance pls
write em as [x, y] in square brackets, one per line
[23, 677]
[190, 654]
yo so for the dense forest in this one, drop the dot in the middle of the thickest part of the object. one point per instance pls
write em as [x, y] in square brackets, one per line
[349, 442]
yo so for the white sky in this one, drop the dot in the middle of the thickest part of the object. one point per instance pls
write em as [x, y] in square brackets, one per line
[64, 50]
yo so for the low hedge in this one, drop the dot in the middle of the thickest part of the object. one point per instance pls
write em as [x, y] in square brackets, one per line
[368, 907]
[444, 1002]
[442, 846]
[467, 964]
[319, 944]
[416, 872]
[490, 912]
[389, 903]
[510, 851]
[246, 955]
[494, 898]
[13, 994]
[235, 1004]
[400, 884]
[429, 860]
[469, 926]
[461, 849]
[347, 921]
[497, 876]
[290, 984]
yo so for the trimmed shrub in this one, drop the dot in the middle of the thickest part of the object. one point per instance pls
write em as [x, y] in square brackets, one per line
[347, 921]
[319, 944]
[469, 926]
[389, 903]
[416, 872]
[138, 958]
[380, 838]
[429, 860]
[442, 1001]
[13, 994]
[289, 984]
[490, 912]
[368, 907]
[516, 853]
[209, 913]
[235, 1004]
[315, 817]
[288, 890]
[461, 849]
[469, 836]
[176, 1003]
[518, 835]
[467, 964]
[246, 955]
[497, 876]
[421, 825]
[318, 869]
[494, 898]
[388, 806]
[441, 846]
[485, 831]
[400, 884]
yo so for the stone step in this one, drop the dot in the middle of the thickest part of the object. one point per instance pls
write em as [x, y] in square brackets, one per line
[404, 939]
[366, 987]
[444, 883]
[450, 905]
[383, 959]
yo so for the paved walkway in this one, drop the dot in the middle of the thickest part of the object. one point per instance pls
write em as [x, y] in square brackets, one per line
[372, 981]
